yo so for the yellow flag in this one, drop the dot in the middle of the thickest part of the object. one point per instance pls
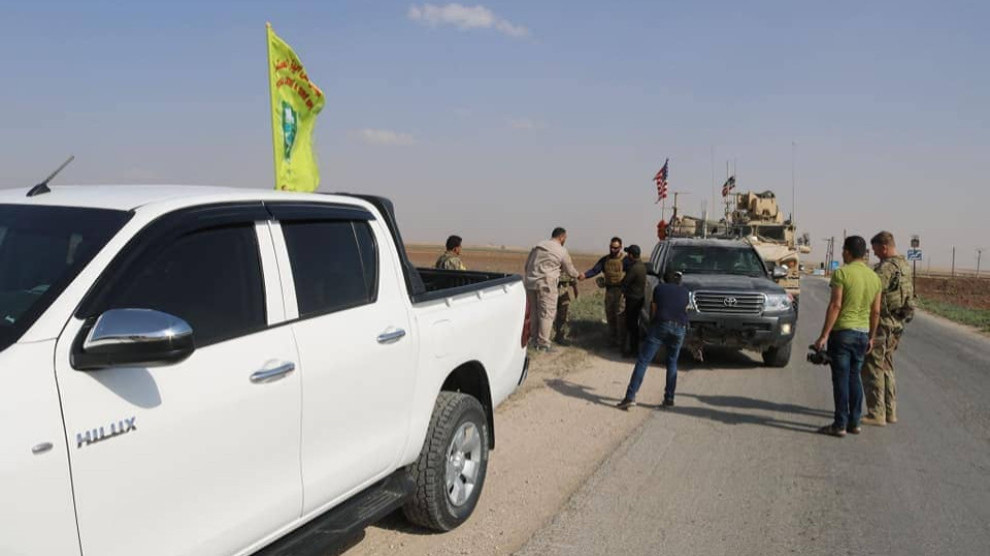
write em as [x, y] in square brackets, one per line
[296, 101]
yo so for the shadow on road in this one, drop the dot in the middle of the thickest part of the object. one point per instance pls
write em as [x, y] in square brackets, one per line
[706, 411]
[718, 358]
[344, 544]
[741, 402]
[733, 418]
[580, 391]
[396, 521]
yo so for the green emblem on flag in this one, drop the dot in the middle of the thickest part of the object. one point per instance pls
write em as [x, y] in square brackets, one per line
[288, 129]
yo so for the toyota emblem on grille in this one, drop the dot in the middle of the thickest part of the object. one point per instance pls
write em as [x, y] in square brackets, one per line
[730, 302]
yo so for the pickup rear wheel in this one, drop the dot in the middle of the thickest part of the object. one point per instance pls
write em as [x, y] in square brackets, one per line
[452, 466]
[778, 356]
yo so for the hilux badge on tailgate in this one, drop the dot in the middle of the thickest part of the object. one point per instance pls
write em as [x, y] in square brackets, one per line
[123, 426]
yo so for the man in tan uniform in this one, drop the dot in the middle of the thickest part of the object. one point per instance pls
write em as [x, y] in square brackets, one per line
[543, 268]
[897, 305]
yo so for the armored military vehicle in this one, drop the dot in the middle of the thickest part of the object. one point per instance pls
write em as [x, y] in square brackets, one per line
[758, 220]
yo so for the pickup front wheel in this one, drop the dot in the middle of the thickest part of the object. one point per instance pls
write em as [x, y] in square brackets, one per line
[451, 468]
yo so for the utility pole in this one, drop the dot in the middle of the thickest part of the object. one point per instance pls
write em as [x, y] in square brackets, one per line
[829, 251]
[979, 255]
[953, 262]
[713, 201]
[676, 193]
[793, 181]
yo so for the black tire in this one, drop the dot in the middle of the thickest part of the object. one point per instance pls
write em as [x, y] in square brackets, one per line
[431, 505]
[778, 356]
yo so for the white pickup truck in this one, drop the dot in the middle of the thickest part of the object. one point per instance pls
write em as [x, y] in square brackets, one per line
[196, 370]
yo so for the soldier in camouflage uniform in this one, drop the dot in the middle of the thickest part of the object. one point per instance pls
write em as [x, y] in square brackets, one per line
[451, 259]
[897, 305]
[567, 291]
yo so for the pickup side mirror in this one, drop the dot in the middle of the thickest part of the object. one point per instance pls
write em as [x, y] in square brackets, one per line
[134, 337]
[779, 272]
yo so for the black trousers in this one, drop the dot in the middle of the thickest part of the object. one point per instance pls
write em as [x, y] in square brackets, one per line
[633, 307]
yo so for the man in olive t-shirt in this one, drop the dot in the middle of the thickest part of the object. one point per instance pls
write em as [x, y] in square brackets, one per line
[850, 325]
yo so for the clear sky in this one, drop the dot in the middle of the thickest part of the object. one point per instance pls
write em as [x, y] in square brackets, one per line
[501, 120]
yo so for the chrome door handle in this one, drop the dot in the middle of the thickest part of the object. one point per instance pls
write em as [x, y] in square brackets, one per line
[273, 374]
[390, 337]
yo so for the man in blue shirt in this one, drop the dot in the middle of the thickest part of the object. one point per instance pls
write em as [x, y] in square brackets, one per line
[668, 325]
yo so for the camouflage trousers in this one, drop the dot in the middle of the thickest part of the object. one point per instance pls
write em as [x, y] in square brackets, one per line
[561, 328]
[615, 305]
[879, 386]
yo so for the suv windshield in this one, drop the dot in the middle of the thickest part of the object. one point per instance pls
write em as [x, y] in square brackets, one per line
[708, 259]
[41, 250]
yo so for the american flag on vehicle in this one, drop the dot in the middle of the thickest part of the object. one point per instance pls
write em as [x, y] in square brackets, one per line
[661, 179]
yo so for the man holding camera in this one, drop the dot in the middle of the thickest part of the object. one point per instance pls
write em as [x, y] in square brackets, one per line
[851, 322]
[896, 308]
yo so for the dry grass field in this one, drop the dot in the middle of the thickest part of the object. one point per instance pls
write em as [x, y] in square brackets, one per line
[971, 293]
[964, 300]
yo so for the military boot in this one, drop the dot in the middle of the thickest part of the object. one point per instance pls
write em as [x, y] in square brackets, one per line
[874, 421]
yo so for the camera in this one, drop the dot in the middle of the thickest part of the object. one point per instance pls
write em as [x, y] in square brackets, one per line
[818, 356]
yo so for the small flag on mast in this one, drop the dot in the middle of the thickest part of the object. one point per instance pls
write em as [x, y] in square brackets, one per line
[728, 186]
[661, 179]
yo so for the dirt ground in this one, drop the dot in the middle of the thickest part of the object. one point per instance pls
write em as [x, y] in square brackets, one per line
[567, 400]
[972, 293]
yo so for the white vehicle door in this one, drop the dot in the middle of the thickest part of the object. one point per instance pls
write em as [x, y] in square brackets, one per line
[199, 456]
[42, 248]
[356, 345]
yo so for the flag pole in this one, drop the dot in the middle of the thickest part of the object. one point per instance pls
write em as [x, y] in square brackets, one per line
[712, 203]
[271, 100]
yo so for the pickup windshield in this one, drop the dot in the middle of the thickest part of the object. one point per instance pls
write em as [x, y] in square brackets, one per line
[41, 250]
[707, 259]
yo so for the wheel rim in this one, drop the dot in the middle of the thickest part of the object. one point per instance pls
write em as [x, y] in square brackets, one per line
[463, 464]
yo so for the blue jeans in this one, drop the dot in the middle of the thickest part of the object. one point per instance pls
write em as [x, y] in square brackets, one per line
[668, 335]
[847, 348]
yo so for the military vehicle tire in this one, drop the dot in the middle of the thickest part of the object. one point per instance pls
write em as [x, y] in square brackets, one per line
[451, 469]
[778, 356]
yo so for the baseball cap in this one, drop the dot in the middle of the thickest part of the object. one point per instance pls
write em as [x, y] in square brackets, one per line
[633, 250]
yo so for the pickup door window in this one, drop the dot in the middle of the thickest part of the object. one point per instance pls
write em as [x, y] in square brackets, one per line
[325, 284]
[211, 464]
[358, 368]
[211, 279]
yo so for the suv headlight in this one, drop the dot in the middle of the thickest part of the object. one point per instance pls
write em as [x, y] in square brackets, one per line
[777, 302]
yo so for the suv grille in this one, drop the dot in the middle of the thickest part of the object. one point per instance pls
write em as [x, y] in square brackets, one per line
[729, 303]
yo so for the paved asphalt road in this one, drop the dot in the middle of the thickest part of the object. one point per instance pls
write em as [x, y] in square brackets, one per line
[737, 468]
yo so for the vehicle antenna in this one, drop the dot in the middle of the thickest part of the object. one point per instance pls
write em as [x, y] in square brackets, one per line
[43, 186]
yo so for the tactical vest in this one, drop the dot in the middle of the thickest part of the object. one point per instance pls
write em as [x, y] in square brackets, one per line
[613, 271]
[897, 299]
